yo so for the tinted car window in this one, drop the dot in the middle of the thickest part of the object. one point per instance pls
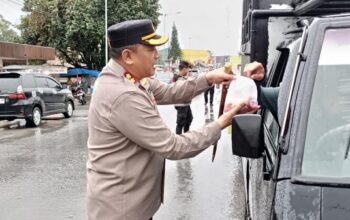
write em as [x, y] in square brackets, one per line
[9, 82]
[52, 83]
[28, 81]
[41, 82]
[327, 143]
[193, 73]
[271, 125]
[273, 128]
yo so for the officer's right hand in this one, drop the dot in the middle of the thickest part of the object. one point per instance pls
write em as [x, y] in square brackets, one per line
[255, 71]
[219, 76]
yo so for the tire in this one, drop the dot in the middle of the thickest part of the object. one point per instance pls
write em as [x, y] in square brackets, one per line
[35, 119]
[70, 109]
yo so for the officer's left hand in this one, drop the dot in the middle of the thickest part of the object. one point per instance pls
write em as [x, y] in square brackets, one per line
[239, 108]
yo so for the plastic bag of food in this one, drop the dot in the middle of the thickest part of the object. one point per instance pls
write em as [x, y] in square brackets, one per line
[241, 88]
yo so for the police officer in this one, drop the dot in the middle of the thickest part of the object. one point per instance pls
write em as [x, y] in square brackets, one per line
[128, 140]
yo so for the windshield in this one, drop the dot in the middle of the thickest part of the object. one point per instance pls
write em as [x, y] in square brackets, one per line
[9, 82]
[326, 152]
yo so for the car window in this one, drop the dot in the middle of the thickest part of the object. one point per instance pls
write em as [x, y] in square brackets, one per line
[193, 73]
[28, 81]
[9, 82]
[52, 83]
[271, 131]
[41, 82]
[326, 152]
[278, 67]
[273, 128]
[271, 125]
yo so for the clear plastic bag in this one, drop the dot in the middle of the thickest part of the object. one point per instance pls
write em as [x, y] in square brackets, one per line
[241, 88]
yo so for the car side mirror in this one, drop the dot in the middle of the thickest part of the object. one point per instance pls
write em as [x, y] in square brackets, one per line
[64, 86]
[247, 136]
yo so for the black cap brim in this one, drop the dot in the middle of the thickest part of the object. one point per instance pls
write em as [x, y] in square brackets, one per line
[156, 40]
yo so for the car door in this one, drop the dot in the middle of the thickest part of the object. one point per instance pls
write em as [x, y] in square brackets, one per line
[29, 86]
[320, 128]
[44, 92]
[260, 183]
[57, 95]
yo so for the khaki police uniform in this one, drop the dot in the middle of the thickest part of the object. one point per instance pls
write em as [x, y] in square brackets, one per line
[129, 142]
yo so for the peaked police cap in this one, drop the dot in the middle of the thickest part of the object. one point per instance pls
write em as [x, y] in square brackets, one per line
[134, 32]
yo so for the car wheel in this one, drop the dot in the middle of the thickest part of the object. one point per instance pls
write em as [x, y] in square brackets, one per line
[35, 119]
[69, 108]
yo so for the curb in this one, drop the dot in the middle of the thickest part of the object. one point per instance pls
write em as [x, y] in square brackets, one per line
[17, 122]
[6, 123]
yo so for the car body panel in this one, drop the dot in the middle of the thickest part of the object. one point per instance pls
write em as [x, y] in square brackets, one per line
[286, 194]
[296, 201]
[335, 203]
[49, 100]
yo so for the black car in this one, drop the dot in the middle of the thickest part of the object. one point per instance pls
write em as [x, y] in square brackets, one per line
[299, 166]
[193, 73]
[31, 96]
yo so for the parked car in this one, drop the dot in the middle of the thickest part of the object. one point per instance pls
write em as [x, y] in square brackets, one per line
[166, 77]
[31, 96]
[193, 73]
[299, 158]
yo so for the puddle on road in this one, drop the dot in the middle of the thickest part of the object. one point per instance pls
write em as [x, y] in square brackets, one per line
[21, 131]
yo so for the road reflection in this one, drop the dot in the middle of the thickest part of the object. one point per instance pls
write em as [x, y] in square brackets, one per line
[197, 188]
[184, 180]
[209, 114]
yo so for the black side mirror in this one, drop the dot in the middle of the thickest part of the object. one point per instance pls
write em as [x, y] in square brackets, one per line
[247, 136]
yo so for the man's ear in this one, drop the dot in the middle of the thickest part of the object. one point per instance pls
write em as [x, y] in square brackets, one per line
[128, 56]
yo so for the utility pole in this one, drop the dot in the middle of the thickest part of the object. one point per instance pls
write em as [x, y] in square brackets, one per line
[106, 37]
[164, 24]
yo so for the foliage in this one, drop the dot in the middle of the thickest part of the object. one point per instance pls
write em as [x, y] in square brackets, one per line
[76, 28]
[119, 11]
[175, 50]
[6, 32]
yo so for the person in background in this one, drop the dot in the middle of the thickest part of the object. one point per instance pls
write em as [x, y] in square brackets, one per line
[184, 113]
[210, 90]
[128, 140]
[69, 83]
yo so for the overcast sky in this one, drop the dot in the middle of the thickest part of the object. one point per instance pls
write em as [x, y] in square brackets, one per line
[213, 25]
[11, 10]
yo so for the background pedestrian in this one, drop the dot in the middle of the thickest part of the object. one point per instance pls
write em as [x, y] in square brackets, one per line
[210, 90]
[184, 113]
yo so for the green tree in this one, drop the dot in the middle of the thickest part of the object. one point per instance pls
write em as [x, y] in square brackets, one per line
[175, 50]
[6, 32]
[122, 10]
[76, 28]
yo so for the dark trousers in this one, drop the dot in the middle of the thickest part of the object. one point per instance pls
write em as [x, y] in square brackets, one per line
[211, 92]
[184, 118]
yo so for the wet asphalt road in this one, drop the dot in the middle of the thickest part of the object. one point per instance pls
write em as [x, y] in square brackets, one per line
[43, 173]
[42, 170]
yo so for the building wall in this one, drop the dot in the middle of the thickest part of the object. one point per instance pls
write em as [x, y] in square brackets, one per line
[194, 56]
[24, 51]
